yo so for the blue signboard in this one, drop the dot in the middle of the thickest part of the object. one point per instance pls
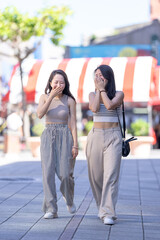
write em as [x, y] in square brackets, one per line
[112, 51]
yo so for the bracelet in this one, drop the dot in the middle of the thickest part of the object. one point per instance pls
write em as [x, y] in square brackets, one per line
[75, 147]
[102, 91]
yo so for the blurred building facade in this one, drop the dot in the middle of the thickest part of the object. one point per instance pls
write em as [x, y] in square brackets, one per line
[139, 40]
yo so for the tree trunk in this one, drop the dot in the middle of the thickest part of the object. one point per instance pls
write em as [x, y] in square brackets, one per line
[23, 99]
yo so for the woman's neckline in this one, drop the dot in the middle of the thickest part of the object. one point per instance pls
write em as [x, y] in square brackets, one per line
[58, 99]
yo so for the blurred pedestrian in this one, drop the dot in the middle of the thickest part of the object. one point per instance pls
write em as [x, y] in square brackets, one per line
[14, 122]
[104, 143]
[59, 146]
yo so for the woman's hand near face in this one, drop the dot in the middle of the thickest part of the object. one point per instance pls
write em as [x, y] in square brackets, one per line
[56, 91]
[57, 84]
[99, 83]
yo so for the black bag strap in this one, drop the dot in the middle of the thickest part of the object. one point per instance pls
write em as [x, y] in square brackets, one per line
[124, 122]
[124, 125]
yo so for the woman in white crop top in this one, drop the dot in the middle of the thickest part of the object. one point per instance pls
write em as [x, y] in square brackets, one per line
[59, 146]
[104, 143]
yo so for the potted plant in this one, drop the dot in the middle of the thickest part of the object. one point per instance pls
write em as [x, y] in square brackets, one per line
[142, 146]
[37, 129]
[139, 128]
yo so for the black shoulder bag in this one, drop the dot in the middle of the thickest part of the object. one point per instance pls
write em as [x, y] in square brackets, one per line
[125, 143]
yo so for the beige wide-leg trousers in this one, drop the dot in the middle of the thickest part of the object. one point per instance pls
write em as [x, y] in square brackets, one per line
[56, 158]
[104, 151]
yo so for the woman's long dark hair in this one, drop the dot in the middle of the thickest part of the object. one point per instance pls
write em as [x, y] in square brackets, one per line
[67, 85]
[108, 74]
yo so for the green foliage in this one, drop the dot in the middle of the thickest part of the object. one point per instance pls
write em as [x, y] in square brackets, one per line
[88, 126]
[54, 19]
[139, 128]
[17, 27]
[37, 129]
[128, 52]
[14, 26]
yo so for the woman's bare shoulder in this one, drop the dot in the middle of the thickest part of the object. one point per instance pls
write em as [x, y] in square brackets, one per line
[43, 97]
[71, 100]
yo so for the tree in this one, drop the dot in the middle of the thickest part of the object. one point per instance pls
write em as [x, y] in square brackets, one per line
[17, 28]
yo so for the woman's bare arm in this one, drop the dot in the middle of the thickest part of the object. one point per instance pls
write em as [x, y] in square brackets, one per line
[73, 120]
[115, 102]
[43, 105]
[73, 126]
[94, 101]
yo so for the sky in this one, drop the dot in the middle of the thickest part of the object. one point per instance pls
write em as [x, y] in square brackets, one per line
[90, 16]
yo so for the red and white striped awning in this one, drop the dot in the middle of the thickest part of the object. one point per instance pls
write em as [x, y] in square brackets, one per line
[134, 75]
[155, 100]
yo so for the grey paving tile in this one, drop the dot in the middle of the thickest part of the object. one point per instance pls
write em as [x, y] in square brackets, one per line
[126, 235]
[89, 235]
[139, 194]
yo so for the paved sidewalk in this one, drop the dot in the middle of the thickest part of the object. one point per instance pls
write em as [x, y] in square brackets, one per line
[21, 197]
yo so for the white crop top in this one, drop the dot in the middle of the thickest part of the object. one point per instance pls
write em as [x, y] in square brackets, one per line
[104, 115]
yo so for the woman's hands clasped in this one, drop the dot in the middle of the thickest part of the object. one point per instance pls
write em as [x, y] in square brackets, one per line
[99, 83]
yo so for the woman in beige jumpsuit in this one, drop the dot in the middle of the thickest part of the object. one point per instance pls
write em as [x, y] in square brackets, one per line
[59, 146]
[104, 143]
